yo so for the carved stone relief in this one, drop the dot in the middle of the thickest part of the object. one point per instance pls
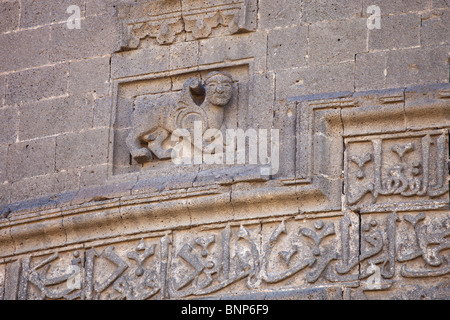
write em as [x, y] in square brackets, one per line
[372, 254]
[154, 121]
[398, 169]
[165, 21]
[149, 114]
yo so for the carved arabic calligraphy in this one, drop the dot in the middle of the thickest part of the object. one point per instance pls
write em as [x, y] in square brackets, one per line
[396, 169]
[312, 252]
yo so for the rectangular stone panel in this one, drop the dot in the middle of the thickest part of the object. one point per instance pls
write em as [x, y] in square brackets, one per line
[397, 171]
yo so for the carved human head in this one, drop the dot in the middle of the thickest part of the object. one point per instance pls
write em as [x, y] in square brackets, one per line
[219, 88]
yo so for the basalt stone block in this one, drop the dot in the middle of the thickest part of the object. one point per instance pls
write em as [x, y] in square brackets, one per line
[50, 117]
[91, 75]
[396, 6]
[24, 49]
[31, 158]
[76, 150]
[417, 66]
[9, 13]
[36, 84]
[279, 13]
[396, 32]
[311, 80]
[98, 36]
[287, 48]
[323, 10]
[370, 71]
[433, 26]
[9, 118]
[336, 41]
[40, 12]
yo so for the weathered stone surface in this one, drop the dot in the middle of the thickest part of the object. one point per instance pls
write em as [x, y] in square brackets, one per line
[75, 150]
[36, 84]
[8, 133]
[304, 81]
[97, 36]
[316, 11]
[40, 12]
[153, 59]
[417, 66]
[434, 25]
[370, 71]
[399, 31]
[3, 157]
[24, 49]
[31, 158]
[49, 117]
[335, 184]
[9, 11]
[287, 48]
[279, 13]
[397, 6]
[336, 41]
[91, 75]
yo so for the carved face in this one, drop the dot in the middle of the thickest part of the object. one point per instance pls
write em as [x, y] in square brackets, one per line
[219, 90]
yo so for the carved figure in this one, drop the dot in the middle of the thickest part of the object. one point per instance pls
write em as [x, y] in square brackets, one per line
[153, 123]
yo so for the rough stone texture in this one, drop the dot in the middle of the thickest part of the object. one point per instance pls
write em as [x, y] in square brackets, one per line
[334, 42]
[36, 84]
[18, 54]
[74, 150]
[9, 124]
[90, 76]
[287, 48]
[398, 31]
[358, 207]
[49, 117]
[315, 11]
[10, 15]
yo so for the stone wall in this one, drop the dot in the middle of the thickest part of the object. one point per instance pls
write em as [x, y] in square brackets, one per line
[359, 207]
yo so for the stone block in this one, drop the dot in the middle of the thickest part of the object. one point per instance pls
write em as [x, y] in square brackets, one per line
[2, 90]
[336, 41]
[8, 125]
[93, 176]
[3, 157]
[183, 55]
[4, 196]
[43, 12]
[440, 4]
[35, 84]
[261, 100]
[396, 6]
[31, 158]
[417, 66]
[100, 7]
[24, 49]
[132, 63]
[370, 71]
[91, 75]
[9, 15]
[241, 46]
[76, 150]
[38, 187]
[279, 13]
[102, 112]
[97, 36]
[325, 10]
[436, 28]
[55, 116]
[312, 80]
[287, 48]
[398, 31]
